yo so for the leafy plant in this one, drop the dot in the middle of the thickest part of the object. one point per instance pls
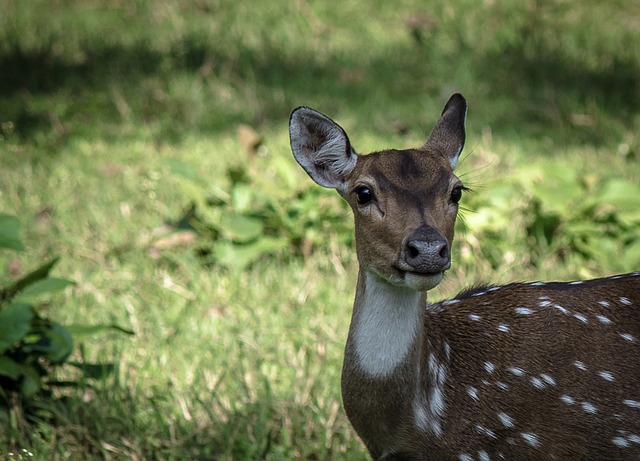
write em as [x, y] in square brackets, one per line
[577, 219]
[30, 343]
[254, 217]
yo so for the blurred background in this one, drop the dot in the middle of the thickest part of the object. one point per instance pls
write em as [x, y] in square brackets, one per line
[202, 295]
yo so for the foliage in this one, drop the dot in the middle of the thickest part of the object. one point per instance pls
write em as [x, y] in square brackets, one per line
[261, 214]
[583, 221]
[30, 343]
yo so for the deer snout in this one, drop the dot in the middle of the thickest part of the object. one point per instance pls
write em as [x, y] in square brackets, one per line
[427, 252]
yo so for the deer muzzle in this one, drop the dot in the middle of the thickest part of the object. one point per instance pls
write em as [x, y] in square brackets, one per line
[426, 251]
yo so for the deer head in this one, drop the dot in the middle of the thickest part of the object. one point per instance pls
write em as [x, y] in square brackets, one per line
[404, 201]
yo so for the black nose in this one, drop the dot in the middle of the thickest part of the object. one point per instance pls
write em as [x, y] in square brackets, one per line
[427, 251]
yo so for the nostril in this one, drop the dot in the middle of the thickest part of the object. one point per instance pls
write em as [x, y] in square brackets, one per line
[413, 250]
[444, 252]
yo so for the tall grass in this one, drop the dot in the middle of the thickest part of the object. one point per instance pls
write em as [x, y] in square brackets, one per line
[97, 98]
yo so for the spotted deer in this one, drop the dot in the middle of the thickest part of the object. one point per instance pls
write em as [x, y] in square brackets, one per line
[525, 371]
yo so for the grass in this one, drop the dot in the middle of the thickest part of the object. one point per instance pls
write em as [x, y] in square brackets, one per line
[98, 98]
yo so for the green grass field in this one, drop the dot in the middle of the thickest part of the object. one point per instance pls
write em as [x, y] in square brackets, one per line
[116, 116]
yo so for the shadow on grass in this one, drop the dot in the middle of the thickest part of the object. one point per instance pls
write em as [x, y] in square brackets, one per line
[44, 93]
[561, 99]
[120, 425]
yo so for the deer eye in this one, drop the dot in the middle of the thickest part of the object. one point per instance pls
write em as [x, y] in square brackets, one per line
[364, 195]
[456, 194]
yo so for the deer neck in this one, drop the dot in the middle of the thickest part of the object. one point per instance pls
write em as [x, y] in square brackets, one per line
[387, 326]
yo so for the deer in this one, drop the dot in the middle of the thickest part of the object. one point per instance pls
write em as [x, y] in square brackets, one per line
[522, 371]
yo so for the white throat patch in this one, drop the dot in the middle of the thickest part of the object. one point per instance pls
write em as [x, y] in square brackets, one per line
[387, 325]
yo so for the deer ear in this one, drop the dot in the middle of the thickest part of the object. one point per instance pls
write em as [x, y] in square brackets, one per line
[321, 147]
[448, 135]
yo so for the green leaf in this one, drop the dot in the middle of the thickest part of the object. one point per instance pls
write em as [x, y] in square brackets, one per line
[238, 257]
[80, 332]
[30, 381]
[54, 342]
[33, 293]
[184, 169]
[9, 368]
[558, 192]
[240, 228]
[95, 370]
[242, 197]
[621, 193]
[487, 219]
[15, 321]
[10, 233]
[38, 274]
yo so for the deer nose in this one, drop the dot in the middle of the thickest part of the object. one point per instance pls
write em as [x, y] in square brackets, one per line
[427, 255]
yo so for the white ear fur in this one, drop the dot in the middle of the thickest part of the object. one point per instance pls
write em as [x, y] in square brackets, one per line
[448, 135]
[321, 147]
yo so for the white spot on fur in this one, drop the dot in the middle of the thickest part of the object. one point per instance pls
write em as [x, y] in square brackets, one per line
[435, 410]
[537, 382]
[465, 457]
[503, 386]
[634, 438]
[489, 367]
[580, 365]
[581, 317]
[620, 441]
[483, 456]
[576, 282]
[531, 438]
[488, 432]
[548, 379]
[524, 311]
[473, 393]
[386, 326]
[420, 416]
[503, 327]
[631, 403]
[561, 309]
[516, 371]
[537, 284]
[627, 337]
[606, 375]
[447, 350]
[589, 407]
[568, 399]
[475, 317]
[448, 302]
[625, 300]
[604, 320]
[544, 303]
[604, 303]
[506, 420]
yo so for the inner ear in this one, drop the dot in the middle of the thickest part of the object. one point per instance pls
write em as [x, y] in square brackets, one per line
[321, 147]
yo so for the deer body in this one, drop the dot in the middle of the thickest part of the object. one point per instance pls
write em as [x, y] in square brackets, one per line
[527, 371]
